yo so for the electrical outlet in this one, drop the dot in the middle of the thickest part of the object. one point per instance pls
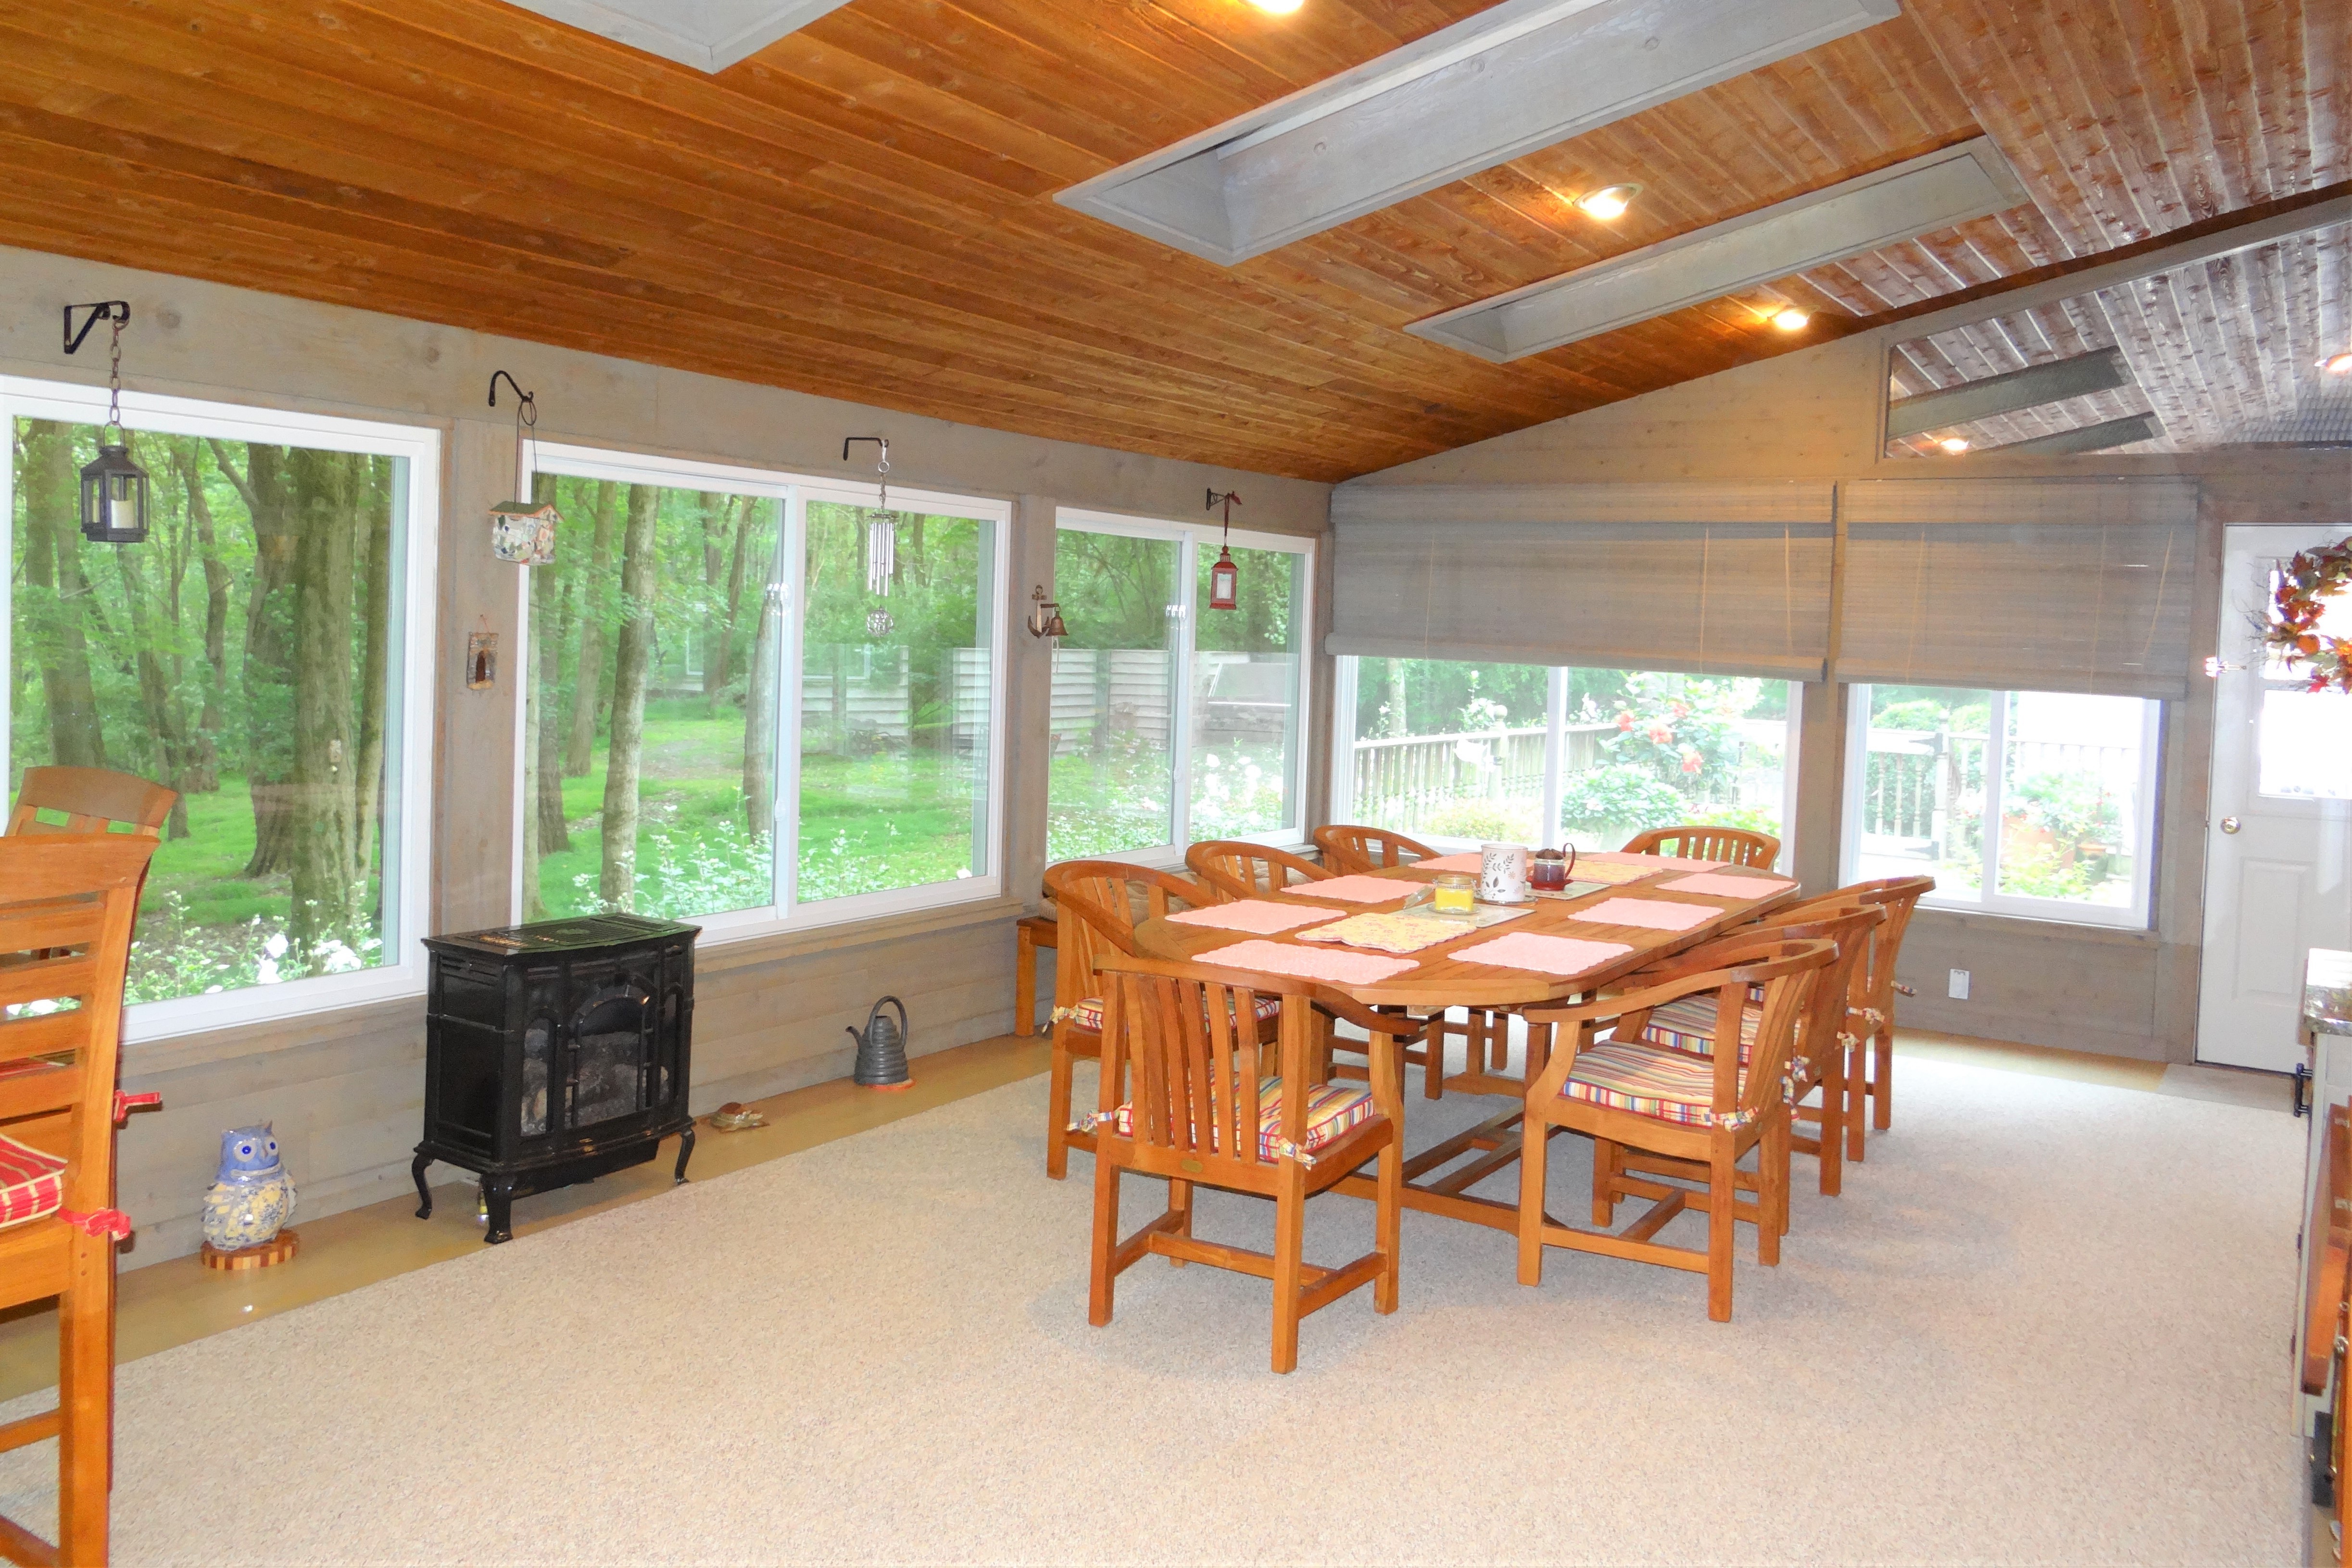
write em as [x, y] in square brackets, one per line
[1959, 991]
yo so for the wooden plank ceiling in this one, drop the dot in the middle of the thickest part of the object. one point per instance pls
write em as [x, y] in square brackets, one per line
[865, 209]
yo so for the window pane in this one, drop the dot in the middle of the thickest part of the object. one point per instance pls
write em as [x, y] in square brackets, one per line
[2306, 745]
[1246, 698]
[2070, 797]
[650, 724]
[1647, 750]
[1450, 750]
[1114, 722]
[895, 702]
[242, 656]
[1923, 790]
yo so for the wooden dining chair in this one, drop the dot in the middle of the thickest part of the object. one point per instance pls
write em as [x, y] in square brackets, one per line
[1353, 850]
[1701, 842]
[1819, 1063]
[1098, 904]
[1233, 870]
[1871, 1073]
[66, 907]
[91, 800]
[1207, 1107]
[1624, 1092]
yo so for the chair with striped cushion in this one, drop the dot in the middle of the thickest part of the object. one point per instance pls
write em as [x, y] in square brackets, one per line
[1819, 1061]
[1871, 1072]
[1205, 1102]
[1704, 842]
[67, 905]
[1233, 870]
[1098, 904]
[1624, 1092]
[1352, 849]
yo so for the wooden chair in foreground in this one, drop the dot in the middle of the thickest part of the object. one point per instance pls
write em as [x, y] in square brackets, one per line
[67, 905]
[1098, 904]
[1623, 1092]
[1870, 1072]
[1700, 842]
[1233, 870]
[1353, 850]
[1819, 1063]
[92, 800]
[1203, 1109]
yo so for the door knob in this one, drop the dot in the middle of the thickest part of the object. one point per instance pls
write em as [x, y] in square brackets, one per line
[2230, 824]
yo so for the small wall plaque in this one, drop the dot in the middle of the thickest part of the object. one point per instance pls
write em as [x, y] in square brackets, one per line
[481, 661]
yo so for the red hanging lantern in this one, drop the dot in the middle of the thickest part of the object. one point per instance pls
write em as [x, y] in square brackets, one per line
[1224, 577]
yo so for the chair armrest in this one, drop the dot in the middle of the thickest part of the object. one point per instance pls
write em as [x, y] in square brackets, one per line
[1396, 1026]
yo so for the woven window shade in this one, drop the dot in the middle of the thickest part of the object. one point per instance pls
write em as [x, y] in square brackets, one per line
[2040, 585]
[1705, 579]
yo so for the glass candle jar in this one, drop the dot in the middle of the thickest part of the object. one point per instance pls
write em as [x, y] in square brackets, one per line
[1453, 892]
[1547, 871]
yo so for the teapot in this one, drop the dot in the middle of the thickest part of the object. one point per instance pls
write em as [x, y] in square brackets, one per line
[882, 1048]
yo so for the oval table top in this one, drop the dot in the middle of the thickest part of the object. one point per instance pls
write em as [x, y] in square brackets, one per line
[1438, 979]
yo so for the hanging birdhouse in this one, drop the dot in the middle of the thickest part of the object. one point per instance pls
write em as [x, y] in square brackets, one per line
[522, 531]
[114, 487]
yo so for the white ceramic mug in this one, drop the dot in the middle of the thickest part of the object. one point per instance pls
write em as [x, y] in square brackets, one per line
[1503, 873]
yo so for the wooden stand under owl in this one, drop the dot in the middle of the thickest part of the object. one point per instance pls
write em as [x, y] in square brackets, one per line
[249, 1204]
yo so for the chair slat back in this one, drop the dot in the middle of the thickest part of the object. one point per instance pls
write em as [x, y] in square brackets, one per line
[1898, 896]
[67, 904]
[1352, 848]
[1775, 977]
[1098, 906]
[1233, 870]
[1700, 841]
[1839, 985]
[1186, 1034]
[92, 800]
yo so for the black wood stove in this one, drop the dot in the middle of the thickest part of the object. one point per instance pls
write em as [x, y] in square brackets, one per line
[556, 1052]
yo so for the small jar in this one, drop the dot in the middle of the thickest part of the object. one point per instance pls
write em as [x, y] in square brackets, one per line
[1547, 871]
[1455, 893]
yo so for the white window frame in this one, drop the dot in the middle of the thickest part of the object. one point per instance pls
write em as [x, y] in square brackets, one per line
[1555, 782]
[409, 648]
[1190, 539]
[794, 492]
[1986, 899]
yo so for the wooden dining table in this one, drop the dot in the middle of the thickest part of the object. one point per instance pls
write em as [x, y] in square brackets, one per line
[1438, 1178]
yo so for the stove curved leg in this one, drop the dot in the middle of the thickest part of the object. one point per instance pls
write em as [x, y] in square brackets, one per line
[685, 1153]
[423, 1192]
[498, 1192]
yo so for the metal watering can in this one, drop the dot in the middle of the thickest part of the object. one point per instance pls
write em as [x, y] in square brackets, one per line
[882, 1048]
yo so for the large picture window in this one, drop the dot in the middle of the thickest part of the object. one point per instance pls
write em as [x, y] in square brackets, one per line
[1174, 722]
[262, 654]
[1455, 753]
[2032, 804]
[755, 699]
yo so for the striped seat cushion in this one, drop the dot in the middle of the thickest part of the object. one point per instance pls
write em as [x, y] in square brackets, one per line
[32, 1183]
[1089, 1014]
[1332, 1110]
[1687, 1024]
[1649, 1081]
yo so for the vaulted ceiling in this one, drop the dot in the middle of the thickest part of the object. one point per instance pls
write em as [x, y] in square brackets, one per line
[864, 208]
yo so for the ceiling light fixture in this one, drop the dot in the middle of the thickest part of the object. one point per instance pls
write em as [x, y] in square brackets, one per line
[2338, 365]
[1277, 8]
[1955, 444]
[1609, 202]
[1791, 319]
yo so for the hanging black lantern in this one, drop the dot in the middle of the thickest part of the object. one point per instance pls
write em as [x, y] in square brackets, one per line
[113, 488]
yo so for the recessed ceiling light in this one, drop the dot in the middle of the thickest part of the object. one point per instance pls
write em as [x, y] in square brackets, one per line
[2338, 365]
[1791, 319]
[1277, 8]
[1609, 202]
[1955, 444]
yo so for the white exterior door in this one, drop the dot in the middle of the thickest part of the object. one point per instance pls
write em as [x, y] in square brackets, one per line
[2278, 867]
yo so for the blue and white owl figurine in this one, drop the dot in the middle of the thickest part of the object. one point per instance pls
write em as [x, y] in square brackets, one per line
[252, 1198]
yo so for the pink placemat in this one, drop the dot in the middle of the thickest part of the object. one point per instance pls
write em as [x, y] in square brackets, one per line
[1657, 914]
[1261, 915]
[1309, 963]
[1544, 955]
[1662, 863]
[1470, 860]
[1356, 889]
[1723, 887]
[1614, 872]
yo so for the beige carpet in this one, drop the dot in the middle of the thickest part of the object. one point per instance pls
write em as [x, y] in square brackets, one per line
[2047, 1323]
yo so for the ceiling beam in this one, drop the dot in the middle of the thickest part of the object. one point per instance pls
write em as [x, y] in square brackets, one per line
[1893, 203]
[709, 35]
[2101, 369]
[1518, 77]
[2100, 437]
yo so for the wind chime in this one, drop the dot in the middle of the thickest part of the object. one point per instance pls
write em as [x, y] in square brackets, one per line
[1224, 577]
[881, 539]
[113, 488]
[522, 531]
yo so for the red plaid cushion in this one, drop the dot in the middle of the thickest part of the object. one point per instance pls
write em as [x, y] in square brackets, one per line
[1089, 1014]
[32, 1183]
